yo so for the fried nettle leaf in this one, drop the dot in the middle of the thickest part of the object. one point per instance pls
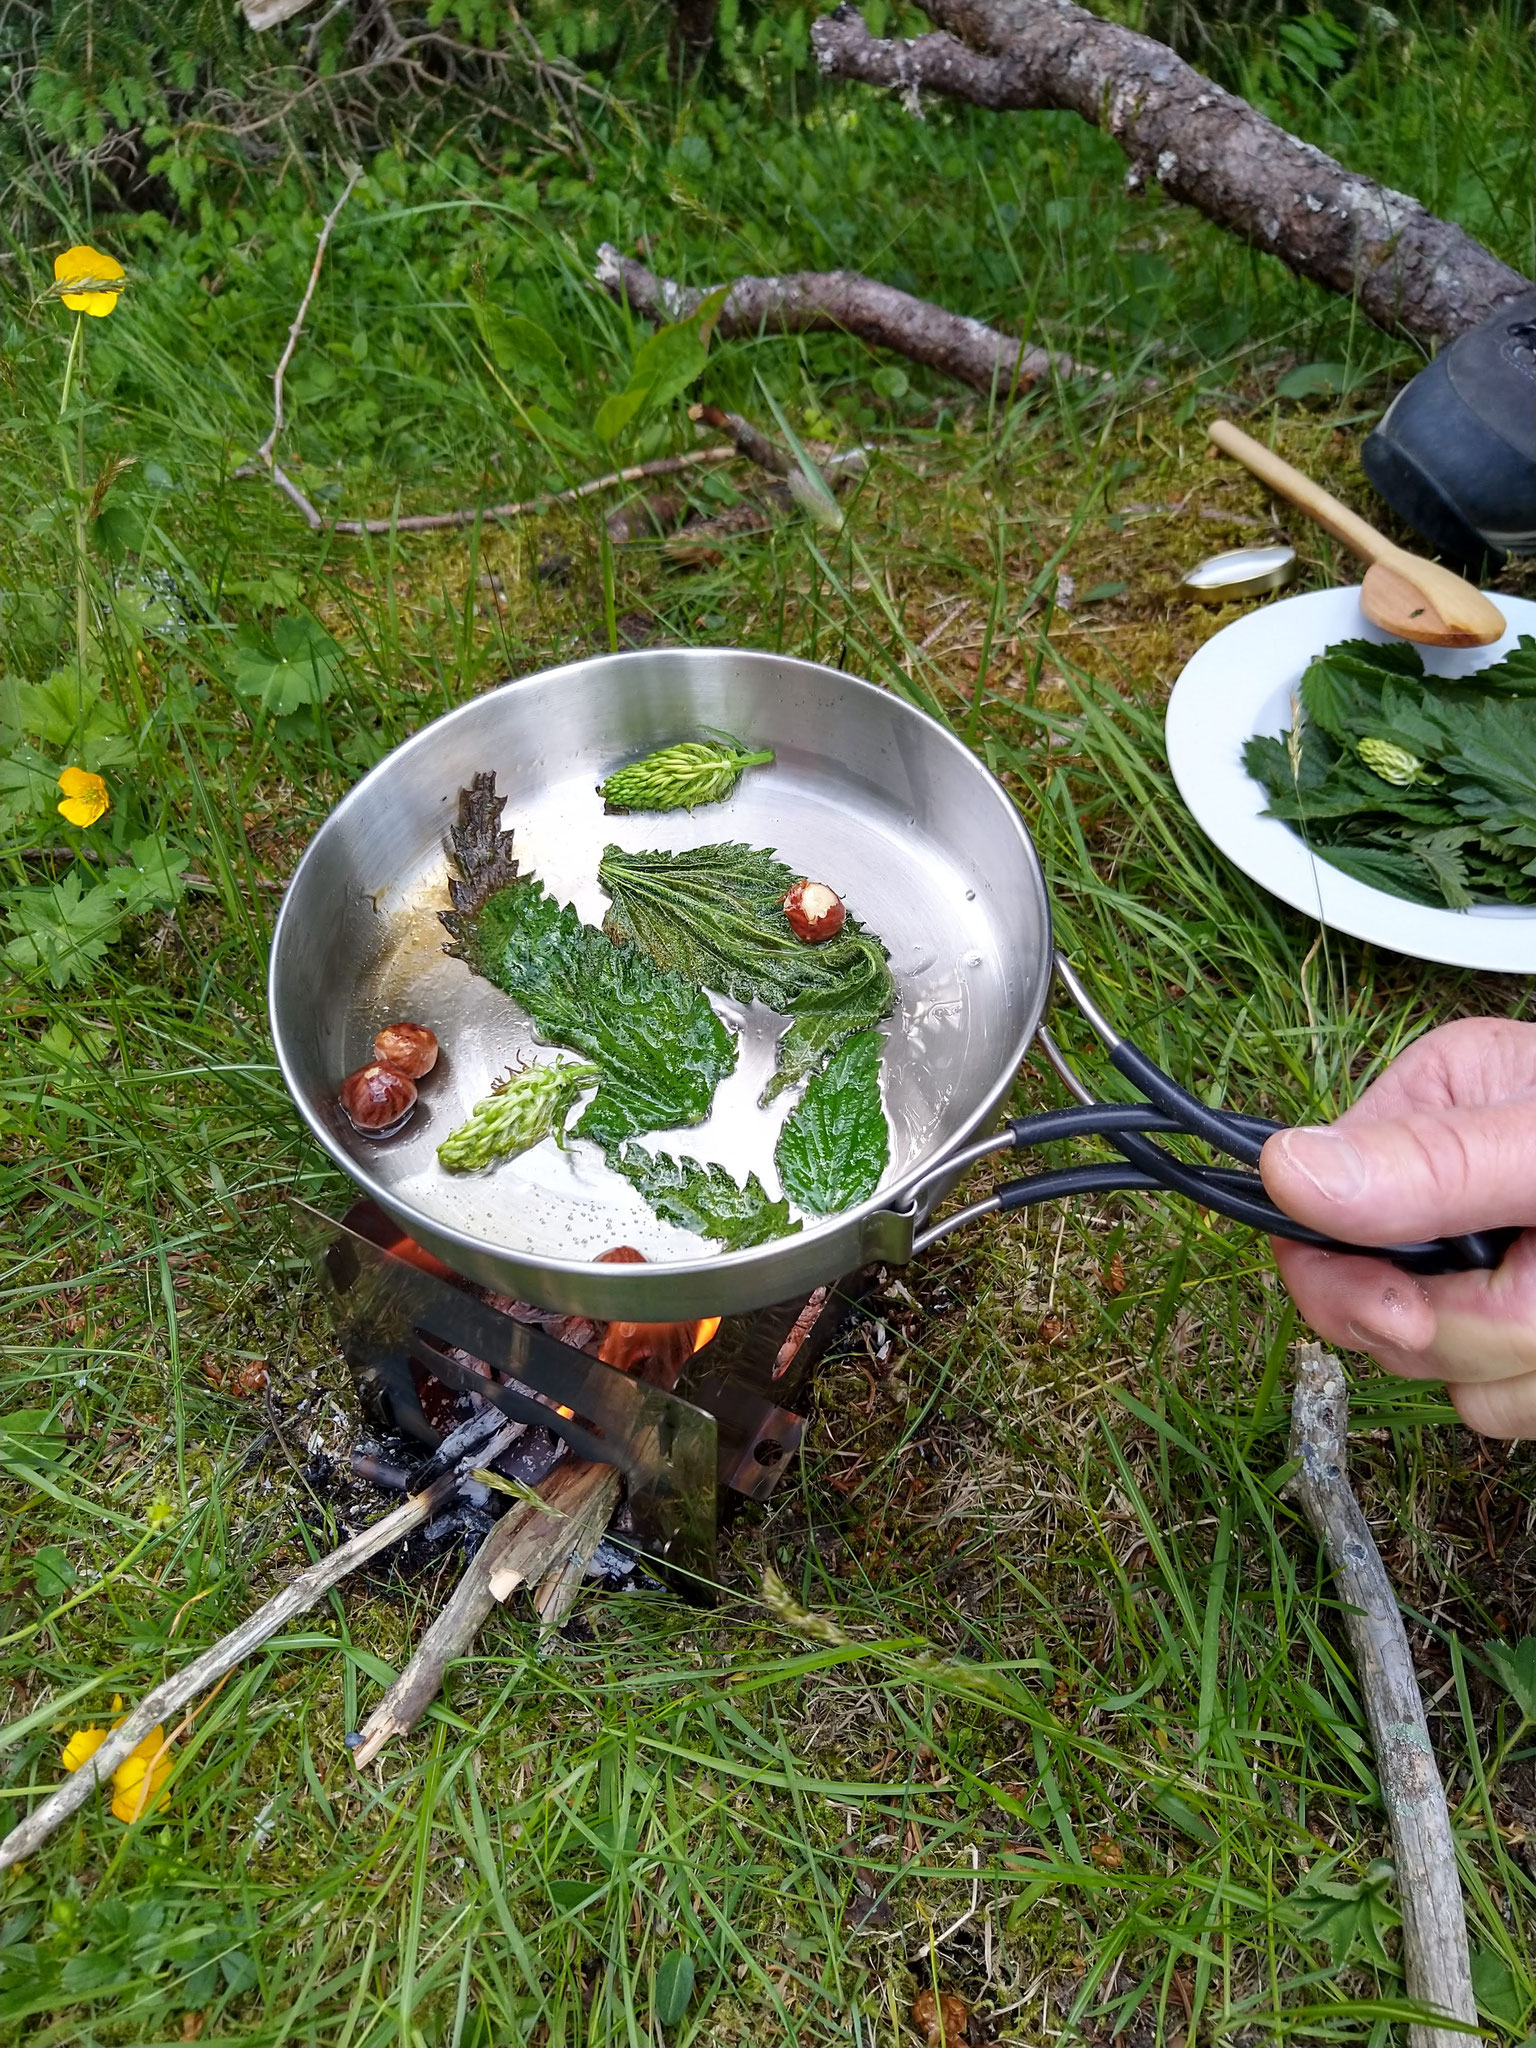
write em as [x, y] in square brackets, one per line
[836, 1143]
[1424, 786]
[660, 1046]
[704, 1198]
[716, 914]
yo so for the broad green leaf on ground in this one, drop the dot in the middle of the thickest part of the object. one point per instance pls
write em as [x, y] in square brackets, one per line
[526, 352]
[835, 1143]
[674, 1986]
[660, 1046]
[715, 914]
[297, 666]
[1348, 1917]
[29, 785]
[72, 715]
[704, 1198]
[667, 363]
[152, 876]
[1515, 1664]
[63, 930]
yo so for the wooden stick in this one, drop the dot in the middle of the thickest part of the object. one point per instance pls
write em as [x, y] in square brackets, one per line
[559, 1586]
[297, 1597]
[267, 451]
[443, 522]
[543, 1533]
[1435, 1958]
[1407, 270]
[547, 1539]
[451, 1636]
[820, 301]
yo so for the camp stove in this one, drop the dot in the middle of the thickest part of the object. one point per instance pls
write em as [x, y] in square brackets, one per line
[693, 1414]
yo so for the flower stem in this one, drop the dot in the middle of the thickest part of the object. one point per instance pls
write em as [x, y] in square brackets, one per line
[74, 486]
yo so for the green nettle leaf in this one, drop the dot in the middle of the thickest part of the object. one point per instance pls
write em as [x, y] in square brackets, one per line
[674, 1987]
[660, 1046]
[836, 1143]
[1515, 1664]
[704, 1198]
[715, 914]
[63, 930]
[298, 666]
[1421, 786]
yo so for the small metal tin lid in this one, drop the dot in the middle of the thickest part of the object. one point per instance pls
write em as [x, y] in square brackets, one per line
[1240, 572]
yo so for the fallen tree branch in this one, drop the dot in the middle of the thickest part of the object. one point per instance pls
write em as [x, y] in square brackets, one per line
[841, 301]
[297, 1597]
[1435, 1958]
[1408, 270]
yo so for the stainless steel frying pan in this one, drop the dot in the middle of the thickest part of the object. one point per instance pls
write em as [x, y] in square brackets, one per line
[867, 794]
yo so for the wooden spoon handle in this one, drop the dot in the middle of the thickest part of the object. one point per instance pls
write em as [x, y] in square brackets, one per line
[1357, 534]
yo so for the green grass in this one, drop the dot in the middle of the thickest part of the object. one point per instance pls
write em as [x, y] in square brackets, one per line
[1085, 1728]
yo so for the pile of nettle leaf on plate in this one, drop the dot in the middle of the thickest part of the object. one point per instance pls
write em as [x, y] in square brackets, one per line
[629, 1000]
[1424, 786]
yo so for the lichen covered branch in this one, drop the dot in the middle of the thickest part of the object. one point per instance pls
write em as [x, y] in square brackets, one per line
[1435, 1958]
[1408, 270]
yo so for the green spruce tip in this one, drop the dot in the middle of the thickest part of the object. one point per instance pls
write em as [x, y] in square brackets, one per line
[681, 776]
[516, 1115]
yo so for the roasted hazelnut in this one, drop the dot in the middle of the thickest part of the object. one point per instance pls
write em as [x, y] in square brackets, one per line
[376, 1098]
[815, 912]
[409, 1048]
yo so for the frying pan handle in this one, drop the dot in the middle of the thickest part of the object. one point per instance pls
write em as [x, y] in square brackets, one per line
[1148, 1166]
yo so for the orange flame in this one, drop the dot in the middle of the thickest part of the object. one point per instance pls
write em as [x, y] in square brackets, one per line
[704, 1333]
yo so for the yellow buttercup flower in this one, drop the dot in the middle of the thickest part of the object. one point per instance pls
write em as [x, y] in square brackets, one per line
[137, 1781]
[85, 797]
[95, 272]
[82, 1746]
[138, 1778]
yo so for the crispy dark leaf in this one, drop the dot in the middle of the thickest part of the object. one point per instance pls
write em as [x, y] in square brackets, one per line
[835, 1143]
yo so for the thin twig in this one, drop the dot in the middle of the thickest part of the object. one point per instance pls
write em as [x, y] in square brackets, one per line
[301, 1593]
[1435, 1958]
[441, 522]
[265, 453]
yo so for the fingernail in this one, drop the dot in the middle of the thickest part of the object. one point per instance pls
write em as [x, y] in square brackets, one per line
[1326, 1158]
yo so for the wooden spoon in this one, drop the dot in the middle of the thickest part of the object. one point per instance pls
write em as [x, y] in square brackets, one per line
[1402, 593]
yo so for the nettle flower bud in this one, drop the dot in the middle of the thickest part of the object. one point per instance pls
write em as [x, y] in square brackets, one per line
[1391, 762]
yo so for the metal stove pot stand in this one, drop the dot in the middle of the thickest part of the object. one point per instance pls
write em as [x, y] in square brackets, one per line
[728, 1426]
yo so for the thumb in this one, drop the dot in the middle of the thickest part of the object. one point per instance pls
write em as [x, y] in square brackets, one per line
[1429, 1174]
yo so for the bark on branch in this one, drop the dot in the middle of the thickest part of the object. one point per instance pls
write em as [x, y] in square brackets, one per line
[1409, 271]
[1435, 1959]
[842, 301]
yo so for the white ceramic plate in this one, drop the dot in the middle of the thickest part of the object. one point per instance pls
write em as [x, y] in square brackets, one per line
[1242, 682]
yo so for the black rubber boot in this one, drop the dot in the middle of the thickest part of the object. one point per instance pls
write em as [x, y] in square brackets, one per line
[1456, 453]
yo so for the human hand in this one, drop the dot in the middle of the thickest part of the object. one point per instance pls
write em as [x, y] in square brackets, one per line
[1443, 1142]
